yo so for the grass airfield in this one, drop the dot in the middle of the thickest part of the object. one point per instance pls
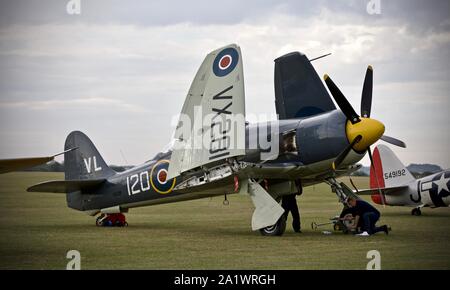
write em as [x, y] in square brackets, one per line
[37, 230]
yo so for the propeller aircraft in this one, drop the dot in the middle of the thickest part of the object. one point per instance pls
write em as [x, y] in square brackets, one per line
[216, 152]
[392, 184]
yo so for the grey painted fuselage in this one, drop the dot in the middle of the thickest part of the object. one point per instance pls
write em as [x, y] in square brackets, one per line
[318, 140]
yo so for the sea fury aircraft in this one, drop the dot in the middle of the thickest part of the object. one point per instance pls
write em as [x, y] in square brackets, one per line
[392, 184]
[216, 152]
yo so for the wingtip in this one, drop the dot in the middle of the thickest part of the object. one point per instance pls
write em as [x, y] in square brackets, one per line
[370, 67]
[325, 77]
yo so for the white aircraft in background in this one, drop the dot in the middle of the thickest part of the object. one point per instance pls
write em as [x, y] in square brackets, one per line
[392, 184]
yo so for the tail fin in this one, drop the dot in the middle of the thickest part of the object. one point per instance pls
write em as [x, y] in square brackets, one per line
[299, 92]
[389, 170]
[85, 162]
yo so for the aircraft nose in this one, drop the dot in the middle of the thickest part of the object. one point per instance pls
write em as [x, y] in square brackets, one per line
[370, 130]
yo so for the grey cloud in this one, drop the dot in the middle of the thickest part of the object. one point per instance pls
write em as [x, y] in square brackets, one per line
[60, 73]
[418, 13]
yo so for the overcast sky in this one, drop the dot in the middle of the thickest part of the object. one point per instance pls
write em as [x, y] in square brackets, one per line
[120, 70]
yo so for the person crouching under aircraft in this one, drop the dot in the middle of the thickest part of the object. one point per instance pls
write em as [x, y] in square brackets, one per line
[369, 215]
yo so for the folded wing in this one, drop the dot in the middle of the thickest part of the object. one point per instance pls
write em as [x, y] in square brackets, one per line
[212, 121]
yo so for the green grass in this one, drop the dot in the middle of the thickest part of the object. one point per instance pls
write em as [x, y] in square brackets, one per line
[37, 230]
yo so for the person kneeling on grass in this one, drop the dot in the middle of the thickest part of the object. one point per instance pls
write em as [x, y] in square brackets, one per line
[369, 215]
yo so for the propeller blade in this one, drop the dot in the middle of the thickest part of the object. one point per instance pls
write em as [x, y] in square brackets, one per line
[366, 97]
[393, 141]
[342, 102]
[337, 162]
[376, 176]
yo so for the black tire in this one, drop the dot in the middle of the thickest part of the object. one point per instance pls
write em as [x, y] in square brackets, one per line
[337, 227]
[416, 212]
[99, 221]
[275, 230]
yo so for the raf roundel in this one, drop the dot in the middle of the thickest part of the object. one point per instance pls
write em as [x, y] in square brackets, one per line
[161, 175]
[225, 62]
[158, 177]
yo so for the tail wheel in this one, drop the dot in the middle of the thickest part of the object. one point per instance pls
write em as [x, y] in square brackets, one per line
[276, 229]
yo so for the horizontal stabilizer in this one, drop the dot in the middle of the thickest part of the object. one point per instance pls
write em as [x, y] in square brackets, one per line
[9, 165]
[66, 186]
[395, 190]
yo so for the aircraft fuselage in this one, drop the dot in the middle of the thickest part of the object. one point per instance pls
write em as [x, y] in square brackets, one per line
[429, 191]
[315, 143]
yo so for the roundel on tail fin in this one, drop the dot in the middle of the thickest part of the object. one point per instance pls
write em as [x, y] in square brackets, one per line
[225, 61]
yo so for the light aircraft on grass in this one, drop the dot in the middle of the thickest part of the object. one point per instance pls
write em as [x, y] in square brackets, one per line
[392, 184]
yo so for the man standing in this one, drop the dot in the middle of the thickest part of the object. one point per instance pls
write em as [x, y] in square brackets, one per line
[369, 215]
[289, 204]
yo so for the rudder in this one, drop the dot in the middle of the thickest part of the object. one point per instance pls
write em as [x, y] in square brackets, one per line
[84, 162]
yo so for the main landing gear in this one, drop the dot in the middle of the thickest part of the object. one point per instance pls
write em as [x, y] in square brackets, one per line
[275, 230]
[340, 189]
[111, 220]
[416, 211]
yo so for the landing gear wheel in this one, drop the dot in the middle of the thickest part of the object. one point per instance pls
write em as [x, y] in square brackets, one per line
[416, 211]
[275, 230]
[111, 220]
[99, 220]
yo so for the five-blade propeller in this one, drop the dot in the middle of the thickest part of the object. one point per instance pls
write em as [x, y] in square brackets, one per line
[362, 131]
